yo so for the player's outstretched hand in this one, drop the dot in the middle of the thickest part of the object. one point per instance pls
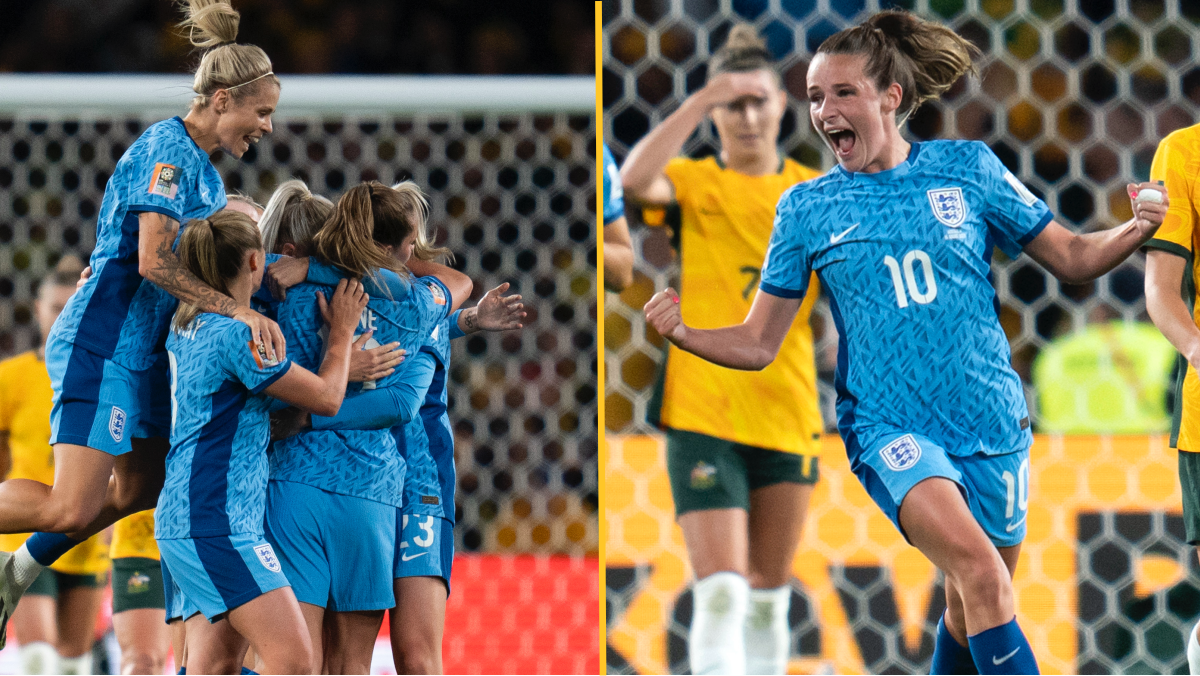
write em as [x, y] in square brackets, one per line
[264, 332]
[343, 311]
[285, 273]
[1150, 205]
[368, 364]
[497, 312]
[662, 312]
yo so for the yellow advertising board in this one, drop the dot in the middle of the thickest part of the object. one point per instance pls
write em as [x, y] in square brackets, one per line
[1105, 583]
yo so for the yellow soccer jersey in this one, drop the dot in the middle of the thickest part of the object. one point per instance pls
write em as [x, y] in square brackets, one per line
[133, 537]
[25, 401]
[1177, 164]
[726, 223]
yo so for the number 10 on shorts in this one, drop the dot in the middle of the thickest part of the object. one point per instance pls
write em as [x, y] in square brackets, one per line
[1017, 489]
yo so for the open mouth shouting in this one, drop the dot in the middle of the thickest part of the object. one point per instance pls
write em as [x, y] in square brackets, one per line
[842, 140]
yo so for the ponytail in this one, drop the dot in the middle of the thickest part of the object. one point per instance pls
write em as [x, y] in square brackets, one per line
[212, 249]
[924, 57]
[348, 238]
[213, 25]
[293, 216]
[424, 249]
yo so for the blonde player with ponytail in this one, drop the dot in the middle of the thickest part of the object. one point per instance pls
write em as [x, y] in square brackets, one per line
[901, 235]
[741, 447]
[105, 354]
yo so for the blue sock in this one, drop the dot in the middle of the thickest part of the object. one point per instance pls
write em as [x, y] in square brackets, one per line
[1003, 650]
[247, 671]
[950, 656]
[46, 548]
[182, 670]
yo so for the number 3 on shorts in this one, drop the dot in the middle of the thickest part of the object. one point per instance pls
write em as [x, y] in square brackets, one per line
[1017, 489]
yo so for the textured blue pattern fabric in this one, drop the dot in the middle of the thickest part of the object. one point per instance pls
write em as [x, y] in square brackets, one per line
[614, 194]
[428, 442]
[361, 463]
[118, 314]
[905, 256]
[217, 468]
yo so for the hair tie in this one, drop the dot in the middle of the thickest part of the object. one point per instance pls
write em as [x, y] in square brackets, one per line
[270, 72]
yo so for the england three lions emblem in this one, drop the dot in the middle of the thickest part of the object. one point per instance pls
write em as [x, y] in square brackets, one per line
[266, 556]
[949, 207]
[901, 453]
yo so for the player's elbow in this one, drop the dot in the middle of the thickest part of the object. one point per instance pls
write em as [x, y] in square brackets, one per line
[618, 277]
[328, 405]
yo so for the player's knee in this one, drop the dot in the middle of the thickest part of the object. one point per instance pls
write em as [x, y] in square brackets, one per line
[416, 655]
[71, 517]
[985, 580]
[139, 662]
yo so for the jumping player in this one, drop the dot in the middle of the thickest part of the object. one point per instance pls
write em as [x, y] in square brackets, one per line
[210, 516]
[57, 616]
[742, 448]
[900, 235]
[105, 353]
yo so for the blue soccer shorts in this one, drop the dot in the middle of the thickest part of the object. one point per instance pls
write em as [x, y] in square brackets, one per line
[217, 574]
[103, 405]
[996, 487]
[424, 547]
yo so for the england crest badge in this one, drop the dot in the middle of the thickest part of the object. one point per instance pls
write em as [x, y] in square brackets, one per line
[266, 556]
[902, 453]
[116, 424]
[949, 207]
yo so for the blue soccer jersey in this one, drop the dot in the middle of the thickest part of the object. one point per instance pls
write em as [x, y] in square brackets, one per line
[427, 442]
[360, 463]
[118, 314]
[905, 257]
[217, 469]
[614, 202]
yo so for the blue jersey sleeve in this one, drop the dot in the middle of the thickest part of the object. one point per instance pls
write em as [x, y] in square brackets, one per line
[455, 332]
[161, 173]
[397, 287]
[243, 361]
[384, 407]
[433, 298]
[787, 266]
[1013, 214]
[614, 194]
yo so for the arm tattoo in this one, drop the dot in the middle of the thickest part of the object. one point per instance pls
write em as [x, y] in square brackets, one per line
[470, 318]
[168, 272]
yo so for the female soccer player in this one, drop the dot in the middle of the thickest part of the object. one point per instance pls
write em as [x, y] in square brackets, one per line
[209, 523]
[105, 353]
[56, 618]
[1170, 266]
[900, 235]
[334, 491]
[742, 448]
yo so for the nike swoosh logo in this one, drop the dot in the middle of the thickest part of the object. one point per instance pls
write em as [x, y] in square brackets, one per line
[406, 557]
[834, 239]
[1004, 659]
[1013, 526]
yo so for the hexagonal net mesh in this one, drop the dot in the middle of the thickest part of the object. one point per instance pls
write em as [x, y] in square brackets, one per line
[1073, 97]
[511, 194]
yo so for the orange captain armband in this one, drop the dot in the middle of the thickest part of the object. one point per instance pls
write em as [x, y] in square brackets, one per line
[654, 216]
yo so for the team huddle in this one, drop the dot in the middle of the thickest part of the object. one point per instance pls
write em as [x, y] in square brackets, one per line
[898, 236]
[272, 382]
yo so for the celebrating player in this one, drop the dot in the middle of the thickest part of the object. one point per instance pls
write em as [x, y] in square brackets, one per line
[618, 249]
[900, 235]
[104, 355]
[56, 618]
[210, 516]
[741, 447]
[1169, 268]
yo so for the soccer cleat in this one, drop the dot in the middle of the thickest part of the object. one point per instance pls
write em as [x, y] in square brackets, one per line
[10, 593]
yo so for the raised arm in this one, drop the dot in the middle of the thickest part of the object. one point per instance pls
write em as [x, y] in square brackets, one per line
[749, 346]
[1164, 302]
[1075, 258]
[642, 174]
[494, 312]
[158, 263]
[322, 392]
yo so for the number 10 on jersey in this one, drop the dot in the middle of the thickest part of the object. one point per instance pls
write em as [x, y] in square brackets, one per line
[909, 278]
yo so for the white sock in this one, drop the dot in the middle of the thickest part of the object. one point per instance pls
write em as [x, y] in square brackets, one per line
[75, 665]
[38, 658]
[768, 636]
[716, 642]
[25, 568]
[1193, 651]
